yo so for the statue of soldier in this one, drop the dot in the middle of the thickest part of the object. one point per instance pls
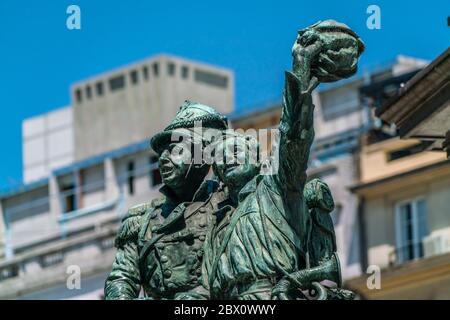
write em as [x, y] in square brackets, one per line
[160, 244]
[236, 173]
[266, 238]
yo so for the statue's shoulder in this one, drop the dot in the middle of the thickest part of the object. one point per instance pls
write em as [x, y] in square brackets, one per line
[131, 223]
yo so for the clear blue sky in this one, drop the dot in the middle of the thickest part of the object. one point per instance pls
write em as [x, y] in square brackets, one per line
[40, 57]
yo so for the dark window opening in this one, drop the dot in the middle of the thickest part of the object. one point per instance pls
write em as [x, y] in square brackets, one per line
[409, 233]
[78, 95]
[155, 69]
[99, 87]
[412, 229]
[130, 176]
[134, 77]
[211, 78]
[406, 152]
[155, 175]
[9, 272]
[117, 83]
[184, 72]
[88, 92]
[145, 72]
[171, 68]
[69, 198]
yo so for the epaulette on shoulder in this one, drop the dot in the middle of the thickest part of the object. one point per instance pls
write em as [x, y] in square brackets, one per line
[158, 202]
[131, 223]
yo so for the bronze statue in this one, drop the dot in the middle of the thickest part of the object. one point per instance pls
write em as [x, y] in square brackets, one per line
[270, 236]
[160, 244]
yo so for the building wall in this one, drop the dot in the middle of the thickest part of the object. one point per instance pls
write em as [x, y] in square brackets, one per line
[32, 217]
[102, 119]
[394, 183]
[426, 277]
[93, 186]
[376, 164]
[28, 217]
[43, 239]
[47, 143]
[338, 109]
[136, 111]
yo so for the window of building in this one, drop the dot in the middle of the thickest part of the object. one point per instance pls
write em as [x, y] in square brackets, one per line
[99, 88]
[405, 152]
[155, 67]
[9, 272]
[339, 102]
[184, 72]
[130, 177]
[411, 228]
[78, 95]
[91, 179]
[211, 78]
[117, 83]
[88, 92]
[154, 174]
[171, 68]
[134, 77]
[69, 198]
[145, 72]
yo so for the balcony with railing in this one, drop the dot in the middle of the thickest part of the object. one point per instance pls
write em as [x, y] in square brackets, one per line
[430, 246]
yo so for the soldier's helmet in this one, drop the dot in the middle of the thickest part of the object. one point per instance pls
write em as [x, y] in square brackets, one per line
[188, 116]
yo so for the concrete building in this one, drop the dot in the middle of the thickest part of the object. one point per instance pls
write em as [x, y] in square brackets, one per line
[146, 95]
[119, 108]
[47, 143]
[71, 218]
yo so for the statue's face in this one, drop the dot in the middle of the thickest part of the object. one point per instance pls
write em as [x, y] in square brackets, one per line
[236, 172]
[172, 166]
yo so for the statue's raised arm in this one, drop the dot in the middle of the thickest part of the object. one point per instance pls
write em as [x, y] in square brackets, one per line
[261, 234]
[296, 126]
[324, 52]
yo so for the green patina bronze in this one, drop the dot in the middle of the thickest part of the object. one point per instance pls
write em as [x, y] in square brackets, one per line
[160, 244]
[248, 235]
